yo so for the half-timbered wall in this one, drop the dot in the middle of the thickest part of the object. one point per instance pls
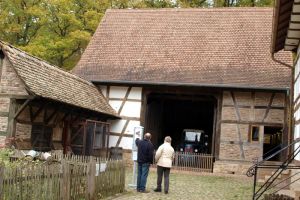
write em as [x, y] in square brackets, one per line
[127, 103]
[38, 116]
[11, 87]
[297, 104]
[241, 111]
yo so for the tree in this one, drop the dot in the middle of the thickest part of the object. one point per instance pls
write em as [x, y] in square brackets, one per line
[67, 31]
[55, 30]
[20, 20]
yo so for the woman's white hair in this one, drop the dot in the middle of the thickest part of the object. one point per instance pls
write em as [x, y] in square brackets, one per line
[168, 139]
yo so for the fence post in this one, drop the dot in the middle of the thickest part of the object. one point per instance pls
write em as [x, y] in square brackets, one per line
[1, 181]
[65, 184]
[91, 179]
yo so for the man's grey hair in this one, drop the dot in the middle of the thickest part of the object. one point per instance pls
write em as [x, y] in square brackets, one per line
[147, 136]
[168, 139]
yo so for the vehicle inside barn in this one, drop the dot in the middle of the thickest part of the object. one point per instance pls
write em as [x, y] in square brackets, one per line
[171, 114]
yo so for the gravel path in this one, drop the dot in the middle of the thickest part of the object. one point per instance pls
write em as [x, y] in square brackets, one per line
[192, 186]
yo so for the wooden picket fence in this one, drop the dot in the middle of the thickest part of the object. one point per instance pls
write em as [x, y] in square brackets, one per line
[65, 178]
[198, 162]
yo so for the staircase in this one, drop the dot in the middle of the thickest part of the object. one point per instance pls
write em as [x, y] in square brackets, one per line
[276, 177]
[265, 174]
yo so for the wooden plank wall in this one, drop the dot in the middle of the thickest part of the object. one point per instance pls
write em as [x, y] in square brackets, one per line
[242, 110]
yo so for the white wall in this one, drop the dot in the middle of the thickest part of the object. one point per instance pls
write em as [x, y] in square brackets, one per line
[128, 108]
[297, 112]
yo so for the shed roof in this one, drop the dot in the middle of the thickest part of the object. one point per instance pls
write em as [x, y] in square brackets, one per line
[226, 47]
[48, 81]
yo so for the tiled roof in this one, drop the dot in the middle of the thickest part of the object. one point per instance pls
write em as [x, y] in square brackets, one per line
[48, 81]
[214, 47]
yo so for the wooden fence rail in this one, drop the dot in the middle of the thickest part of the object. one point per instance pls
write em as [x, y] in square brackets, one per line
[193, 162]
[70, 177]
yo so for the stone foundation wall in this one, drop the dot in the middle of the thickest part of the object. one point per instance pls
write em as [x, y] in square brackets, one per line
[231, 167]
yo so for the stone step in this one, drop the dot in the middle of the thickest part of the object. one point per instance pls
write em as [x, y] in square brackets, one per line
[289, 193]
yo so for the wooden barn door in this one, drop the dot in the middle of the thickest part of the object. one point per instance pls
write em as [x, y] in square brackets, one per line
[153, 121]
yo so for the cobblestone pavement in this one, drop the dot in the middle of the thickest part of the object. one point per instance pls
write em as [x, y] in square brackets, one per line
[192, 186]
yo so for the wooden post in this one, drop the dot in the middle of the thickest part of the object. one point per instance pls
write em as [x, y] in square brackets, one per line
[90, 195]
[11, 120]
[65, 182]
[1, 181]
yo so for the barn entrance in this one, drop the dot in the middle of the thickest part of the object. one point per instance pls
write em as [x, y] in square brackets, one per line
[171, 114]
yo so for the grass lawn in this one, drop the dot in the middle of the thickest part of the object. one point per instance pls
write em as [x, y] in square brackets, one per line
[185, 185]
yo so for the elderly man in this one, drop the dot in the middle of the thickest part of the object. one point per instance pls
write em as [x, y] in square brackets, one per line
[145, 158]
[164, 157]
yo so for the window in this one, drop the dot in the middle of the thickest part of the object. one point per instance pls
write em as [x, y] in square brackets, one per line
[254, 137]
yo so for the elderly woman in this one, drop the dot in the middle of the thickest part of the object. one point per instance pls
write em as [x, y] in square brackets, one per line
[164, 157]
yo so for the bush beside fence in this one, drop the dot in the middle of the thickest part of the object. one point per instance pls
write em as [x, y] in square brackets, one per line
[66, 177]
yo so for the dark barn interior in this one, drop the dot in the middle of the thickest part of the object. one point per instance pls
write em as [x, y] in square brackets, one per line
[168, 114]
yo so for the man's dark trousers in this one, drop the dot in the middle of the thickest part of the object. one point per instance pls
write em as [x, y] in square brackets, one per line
[143, 171]
[160, 172]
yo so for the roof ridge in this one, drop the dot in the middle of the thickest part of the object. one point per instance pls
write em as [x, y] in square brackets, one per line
[224, 9]
[43, 62]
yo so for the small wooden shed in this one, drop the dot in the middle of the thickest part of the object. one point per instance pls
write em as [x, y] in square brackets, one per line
[45, 108]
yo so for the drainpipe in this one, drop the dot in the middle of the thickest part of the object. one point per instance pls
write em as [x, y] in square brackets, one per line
[291, 99]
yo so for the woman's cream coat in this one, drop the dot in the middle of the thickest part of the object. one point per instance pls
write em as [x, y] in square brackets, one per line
[165, 155]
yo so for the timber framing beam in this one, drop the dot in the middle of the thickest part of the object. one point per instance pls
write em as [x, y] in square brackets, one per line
[238, 125]
[22, 108]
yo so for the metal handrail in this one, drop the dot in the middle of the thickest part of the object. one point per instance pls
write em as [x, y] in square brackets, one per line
[268, 184]
[251, 172]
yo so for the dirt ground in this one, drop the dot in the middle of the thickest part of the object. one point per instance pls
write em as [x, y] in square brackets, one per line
[192, 186]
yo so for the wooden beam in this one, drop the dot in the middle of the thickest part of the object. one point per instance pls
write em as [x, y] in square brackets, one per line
[269, 107]
[251, 123]
[48, 119]
[119, 134]
[107, 93]
[76, 133]
[124, 100]
[238, 125]
[122, 133]
[65, 116]
[121, 99]
[40, 109]
[17, 96]
[21, 108]
[11, 119]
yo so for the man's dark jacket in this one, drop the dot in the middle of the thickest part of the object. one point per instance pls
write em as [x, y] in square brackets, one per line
[145, 151]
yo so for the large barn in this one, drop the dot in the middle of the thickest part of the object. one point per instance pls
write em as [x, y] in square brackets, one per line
[209, 69]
